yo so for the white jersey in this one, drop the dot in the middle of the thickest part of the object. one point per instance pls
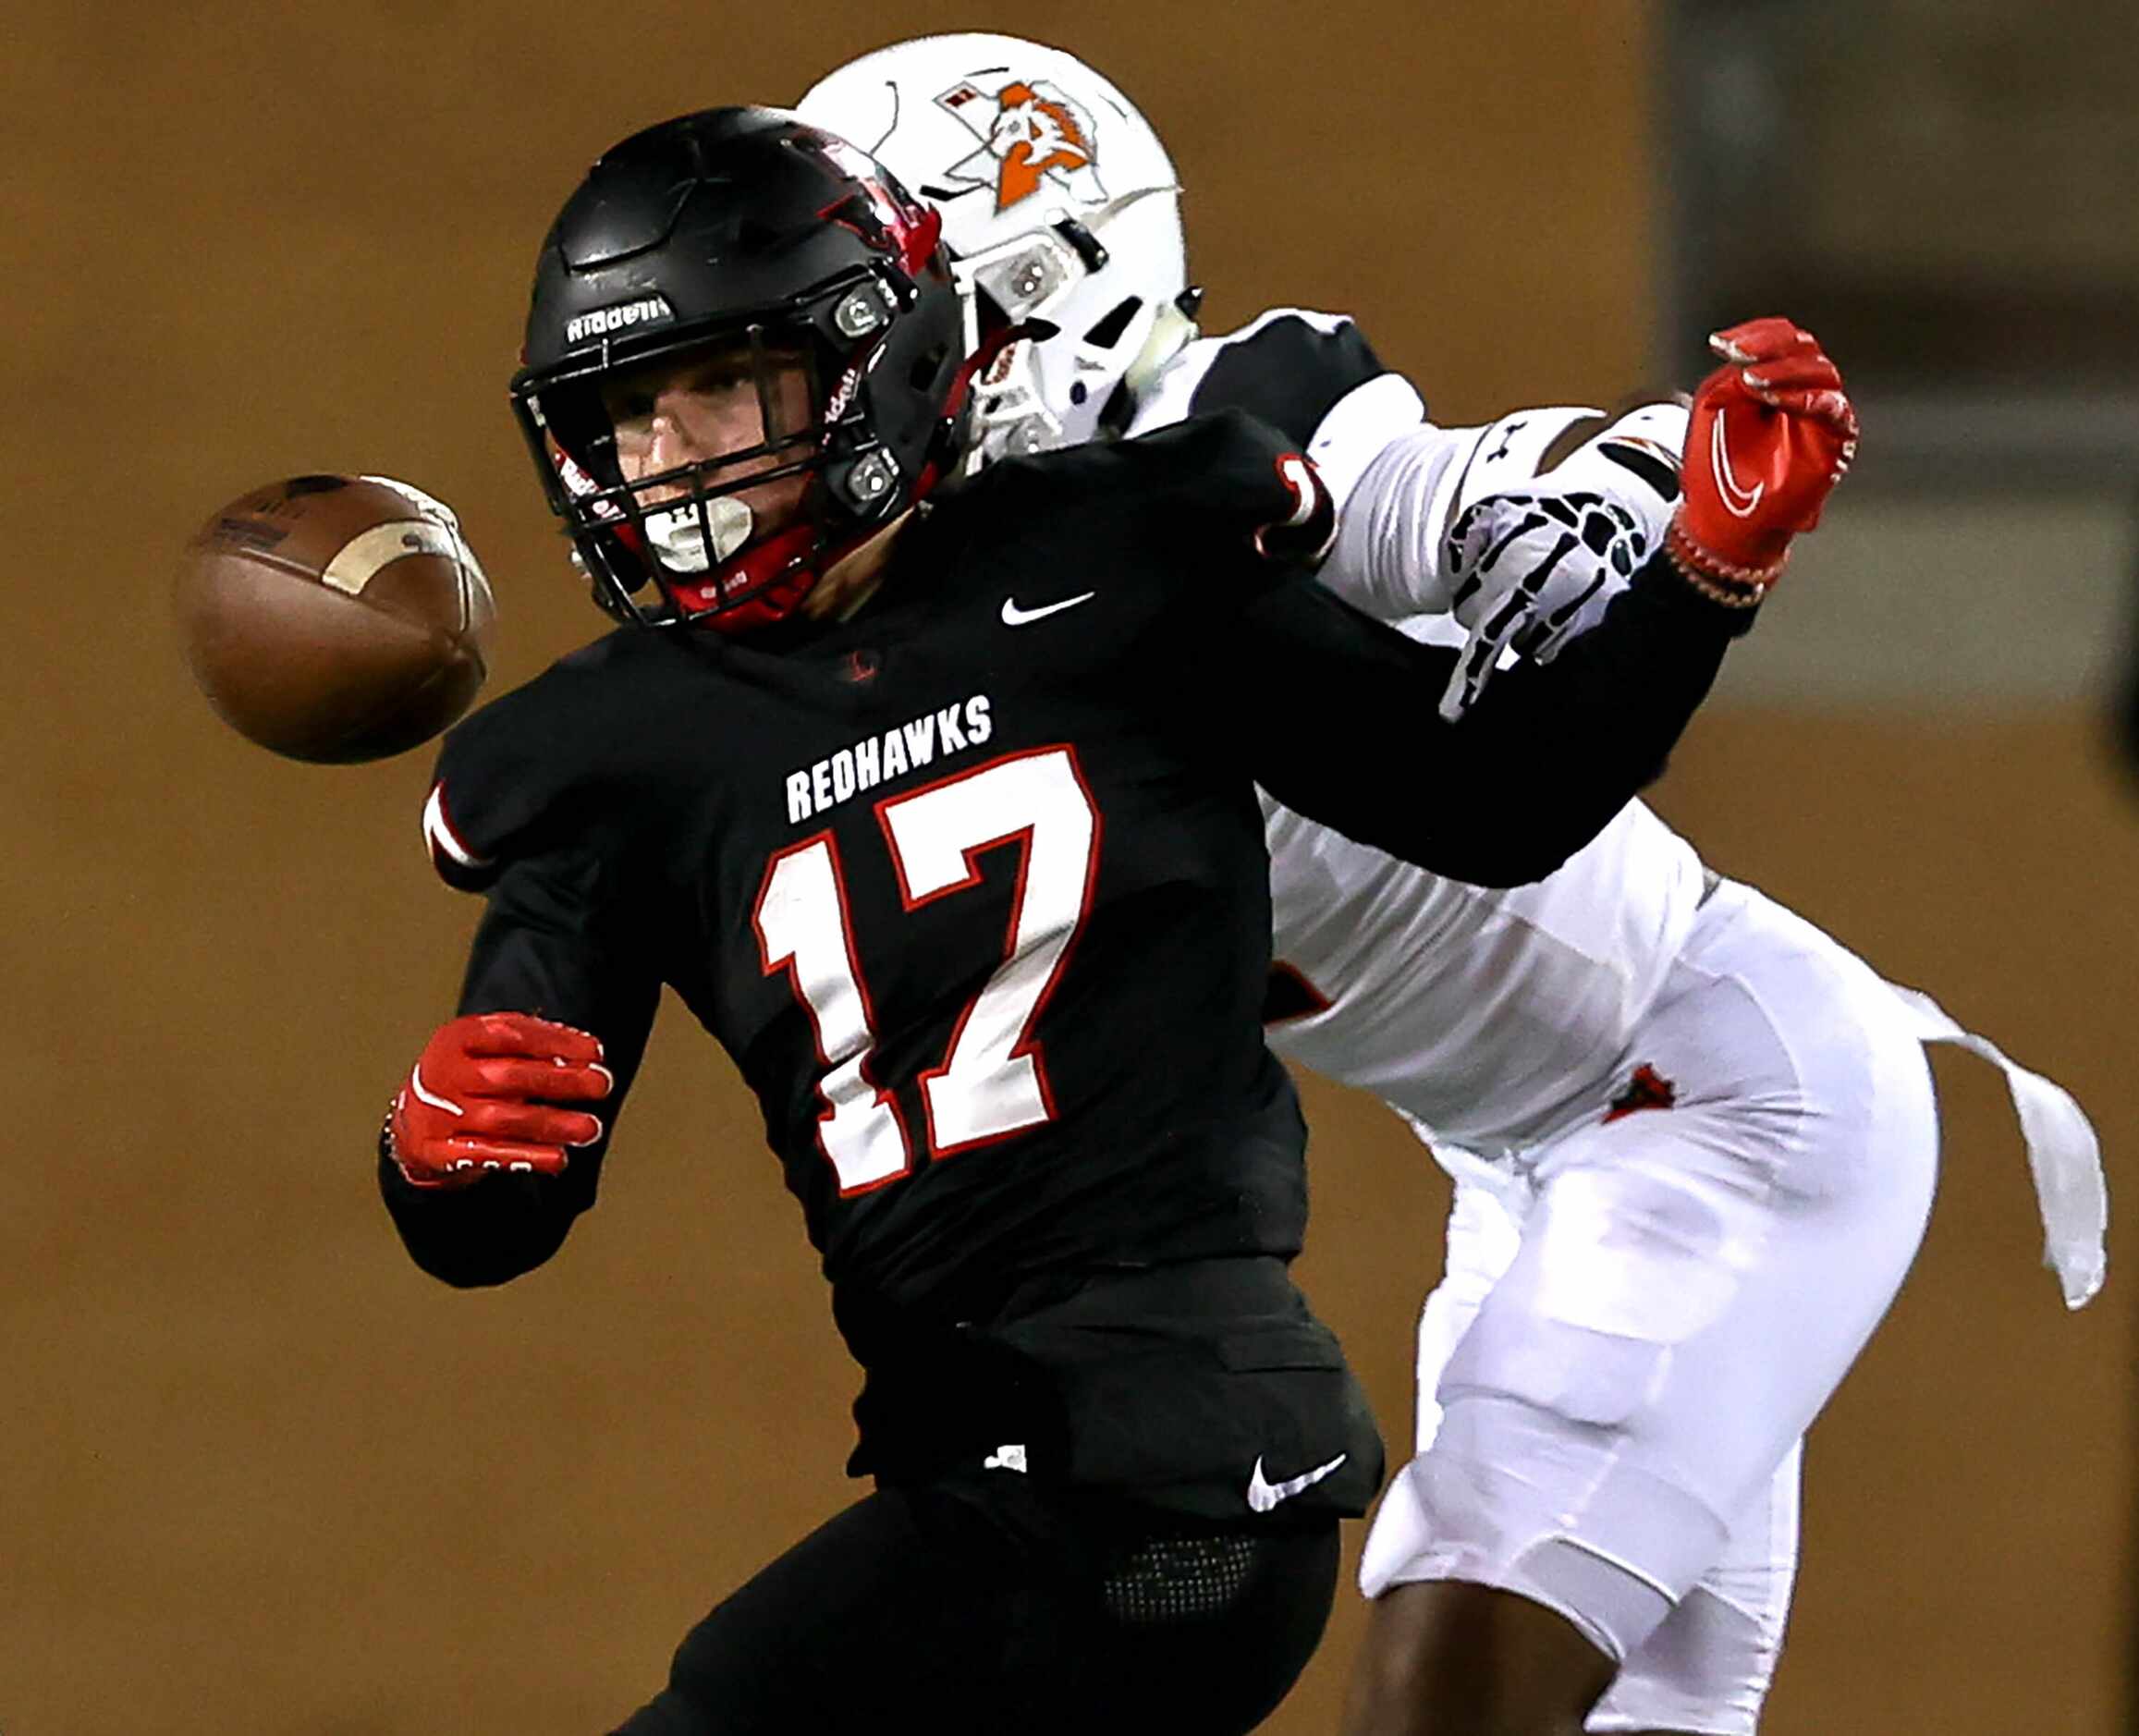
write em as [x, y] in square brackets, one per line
[1488, 1015]
[1642, 1313]
[1484, 1014]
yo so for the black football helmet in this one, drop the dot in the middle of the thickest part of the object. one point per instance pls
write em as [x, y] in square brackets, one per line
[746, 230]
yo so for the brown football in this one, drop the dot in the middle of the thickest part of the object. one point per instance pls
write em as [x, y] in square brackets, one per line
[335, 617]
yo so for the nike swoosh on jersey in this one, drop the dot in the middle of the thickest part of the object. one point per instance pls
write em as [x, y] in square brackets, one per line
[1015, 617]
[1731, 489]
[1262, 1494]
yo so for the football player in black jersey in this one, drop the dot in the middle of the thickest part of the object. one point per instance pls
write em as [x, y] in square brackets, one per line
[936, 805]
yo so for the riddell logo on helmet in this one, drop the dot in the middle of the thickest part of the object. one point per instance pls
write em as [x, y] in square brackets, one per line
[842, 399]
[1031, 135]
[646, 310]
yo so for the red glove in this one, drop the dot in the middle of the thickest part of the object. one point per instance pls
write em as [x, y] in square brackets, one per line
[480, 1100]
[1771, 433]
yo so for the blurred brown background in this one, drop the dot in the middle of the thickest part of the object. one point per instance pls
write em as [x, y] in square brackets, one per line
[257, 1474]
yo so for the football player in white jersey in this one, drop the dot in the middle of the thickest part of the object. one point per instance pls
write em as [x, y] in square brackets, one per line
[1694, 1138]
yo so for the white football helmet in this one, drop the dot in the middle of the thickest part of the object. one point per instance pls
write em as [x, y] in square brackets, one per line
[1059, 204]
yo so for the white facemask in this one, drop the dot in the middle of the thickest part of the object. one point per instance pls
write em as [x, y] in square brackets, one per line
[677, 544]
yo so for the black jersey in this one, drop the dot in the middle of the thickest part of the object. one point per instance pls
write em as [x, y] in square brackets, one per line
[971, 886]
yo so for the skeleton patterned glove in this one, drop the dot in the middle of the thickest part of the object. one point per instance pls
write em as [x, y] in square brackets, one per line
[1530, 571]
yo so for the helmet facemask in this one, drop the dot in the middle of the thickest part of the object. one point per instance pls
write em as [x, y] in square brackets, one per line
[1051, 387]
[776, 478]
[753, 410]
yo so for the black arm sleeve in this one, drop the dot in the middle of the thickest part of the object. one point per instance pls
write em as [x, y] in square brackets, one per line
[1342, 726]
[543, 947]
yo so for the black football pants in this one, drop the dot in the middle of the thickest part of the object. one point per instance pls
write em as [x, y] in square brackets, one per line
[984, 1604]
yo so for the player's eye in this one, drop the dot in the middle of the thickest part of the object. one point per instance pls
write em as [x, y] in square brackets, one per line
[721, 376]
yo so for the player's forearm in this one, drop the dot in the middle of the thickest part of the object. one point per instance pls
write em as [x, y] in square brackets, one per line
[1386, 559]
[1349, 733]
[1561, 747]
[1389, 560]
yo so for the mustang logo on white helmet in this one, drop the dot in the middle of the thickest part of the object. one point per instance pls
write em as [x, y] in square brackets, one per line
[1005, 138]
[1031, 135]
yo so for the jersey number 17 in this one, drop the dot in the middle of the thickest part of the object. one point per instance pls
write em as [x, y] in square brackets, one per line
[992, 1082]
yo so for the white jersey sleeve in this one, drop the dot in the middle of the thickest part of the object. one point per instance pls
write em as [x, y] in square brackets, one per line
[1399, 478]
[1389, 560]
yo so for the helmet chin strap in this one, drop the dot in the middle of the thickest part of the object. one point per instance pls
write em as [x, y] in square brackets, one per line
[1173, 329]
[1171, 332]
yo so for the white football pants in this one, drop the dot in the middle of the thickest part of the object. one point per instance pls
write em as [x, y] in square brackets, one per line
[1639, 1319]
